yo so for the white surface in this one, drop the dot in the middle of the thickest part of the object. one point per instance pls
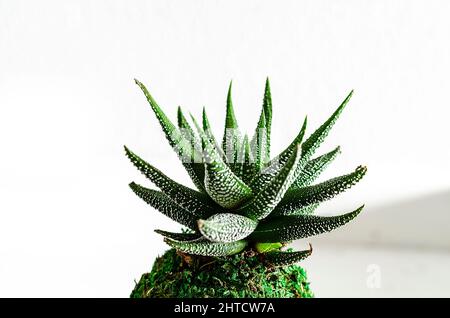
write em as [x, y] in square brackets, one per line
[362, 271]
[69, 226]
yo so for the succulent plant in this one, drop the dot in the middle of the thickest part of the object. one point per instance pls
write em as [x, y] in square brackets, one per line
[243, 199]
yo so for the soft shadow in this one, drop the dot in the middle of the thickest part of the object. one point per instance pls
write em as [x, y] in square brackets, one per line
[420, 223]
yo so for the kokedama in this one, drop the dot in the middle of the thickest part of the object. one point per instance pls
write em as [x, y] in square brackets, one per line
[245, 209]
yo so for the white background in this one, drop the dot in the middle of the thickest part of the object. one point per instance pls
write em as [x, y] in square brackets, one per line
[69, 225]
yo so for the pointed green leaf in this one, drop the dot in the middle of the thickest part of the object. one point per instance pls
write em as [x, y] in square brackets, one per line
[247, 168]
[230, 119]
[208, 132]
[261, 180]
[191, 200]
[286, 258]
[314, 168]
[267, 107]
[184, 124]
[289, 228]
[182, 237]
[195, 161]
[231, 136]
[188, 133]
[267, 199]
[226, 227]
[176, 140]
[222, 185]
[166, 206]
[167, 126]
[296, 199]
[259, 142]
[207, 248]
[314, 141]
[261, 139]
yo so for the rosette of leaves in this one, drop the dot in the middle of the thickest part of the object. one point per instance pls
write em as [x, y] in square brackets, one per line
[243, 197]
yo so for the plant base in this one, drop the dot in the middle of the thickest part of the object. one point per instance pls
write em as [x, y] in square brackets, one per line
[177, 275]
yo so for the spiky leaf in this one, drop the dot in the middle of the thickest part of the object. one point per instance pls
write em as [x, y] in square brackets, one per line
[182, 237]
[188, 133]
[259, 142]
[267, 199]
[209, 134]
[207, 248]
[231, 136]
[184, 124]
[226, 227]
[316, 139]
[286, 258]
[191, 200]
[314, 168]
[267, 107]
[296, 199]
[166, 206]
[247, 167]
[289, 228]
[261, 139]
[261, 180]
[176, 140]
[222, 185]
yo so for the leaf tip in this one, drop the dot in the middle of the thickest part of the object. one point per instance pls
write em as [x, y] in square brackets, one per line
[169, 242]
[133, 185]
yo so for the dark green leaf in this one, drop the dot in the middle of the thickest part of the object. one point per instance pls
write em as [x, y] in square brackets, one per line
[296, 199]
[267, 199]
[231, 136]
[289, 228]
[179, 236]
[176, 140]
[314, 168]
[166, 206]
[191, 200]
[286, 258]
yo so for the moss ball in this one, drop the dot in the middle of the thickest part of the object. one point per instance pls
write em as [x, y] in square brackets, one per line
[176, 275]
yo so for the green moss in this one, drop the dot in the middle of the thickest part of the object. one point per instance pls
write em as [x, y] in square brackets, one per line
[241, 275]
